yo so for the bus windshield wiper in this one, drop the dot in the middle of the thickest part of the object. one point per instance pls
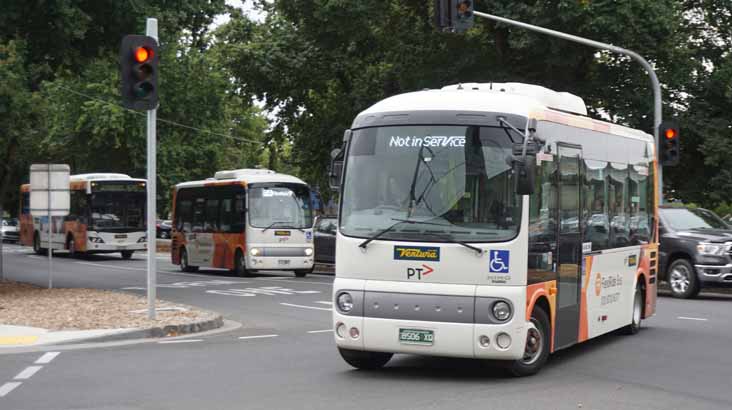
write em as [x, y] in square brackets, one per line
[273, 224]
[446, 237]
[365, 243]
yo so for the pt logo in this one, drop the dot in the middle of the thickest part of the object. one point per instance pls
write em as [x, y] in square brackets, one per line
[498, 261]
[419, 272]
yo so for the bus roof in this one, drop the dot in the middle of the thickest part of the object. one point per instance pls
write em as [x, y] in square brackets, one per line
[242, 177]
[524, 100]
[98, 176]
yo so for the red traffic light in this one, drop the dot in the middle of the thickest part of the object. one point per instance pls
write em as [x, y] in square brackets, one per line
[142, 54]
[670, 133]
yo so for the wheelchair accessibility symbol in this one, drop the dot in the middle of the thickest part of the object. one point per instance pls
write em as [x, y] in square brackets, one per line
[498, 261]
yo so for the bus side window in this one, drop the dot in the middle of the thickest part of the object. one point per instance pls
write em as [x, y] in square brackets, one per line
[25, 203]
[543, 225]
[199, 215]
[619, 210]
[212, 215]
[183, 216]
[226, 214]
[240, 213]
[597, 223]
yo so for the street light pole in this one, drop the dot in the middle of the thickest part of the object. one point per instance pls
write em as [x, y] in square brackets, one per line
[152, 268]
[657, 112]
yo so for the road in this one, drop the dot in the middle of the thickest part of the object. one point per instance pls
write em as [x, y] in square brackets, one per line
[283, 357]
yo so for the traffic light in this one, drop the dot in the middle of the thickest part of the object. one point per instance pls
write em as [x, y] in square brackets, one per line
[668, 136]
[138, 57]
[454, 15]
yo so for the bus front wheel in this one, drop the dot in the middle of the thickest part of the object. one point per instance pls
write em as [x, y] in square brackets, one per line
[240, 265]
[184, 266]
[365, 360]
[301, 273]
[127, 255]
[37, 245]
[635, 324]
[536, 351]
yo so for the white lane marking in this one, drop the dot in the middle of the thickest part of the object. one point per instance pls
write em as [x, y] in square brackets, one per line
[701, 319]
[295, 281]
[109, 266]
[324, 302]
[46, 358]
[168, 342]
[256, 337]
[306, 307]
[28, 372]
[320, 331]
[36, 257]
[8, 387]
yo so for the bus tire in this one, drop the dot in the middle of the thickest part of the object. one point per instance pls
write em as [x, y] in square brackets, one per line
[301, 273]
[71, 246]
[365, 360]
[37, 245]
[638, 302]
[127, 255]
[184, 266]
[240, 265]
[537, 347]
[682, 279]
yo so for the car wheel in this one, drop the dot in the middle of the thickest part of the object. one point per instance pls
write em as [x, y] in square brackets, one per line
[683, 280]
[635, 324]
[365, 360]
[184, 266]
[536, 351]
[240, 265]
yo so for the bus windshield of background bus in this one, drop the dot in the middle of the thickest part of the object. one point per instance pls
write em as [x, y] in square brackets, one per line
[455, 181]
[285, 206]
[118, 206]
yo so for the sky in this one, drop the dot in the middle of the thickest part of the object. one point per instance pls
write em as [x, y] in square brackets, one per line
[246, 5]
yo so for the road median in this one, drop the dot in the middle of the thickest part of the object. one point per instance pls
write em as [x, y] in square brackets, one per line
[31, 316]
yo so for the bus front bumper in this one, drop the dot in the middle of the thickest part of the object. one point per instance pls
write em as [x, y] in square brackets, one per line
[280, 263]
[385, 323]
[115, 247]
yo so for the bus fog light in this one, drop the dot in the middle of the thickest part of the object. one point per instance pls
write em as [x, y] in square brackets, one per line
[308, 251]
[484, 341]
[501, 311]
[254, 251]
[503, 340]
[355, 333]
[345, 302]
[341, 330]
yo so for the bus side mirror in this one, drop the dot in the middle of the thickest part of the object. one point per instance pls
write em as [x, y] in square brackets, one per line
[525, 174]
[336, 169]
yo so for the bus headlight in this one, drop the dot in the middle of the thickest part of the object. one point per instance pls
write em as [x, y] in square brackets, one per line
[501, 311]
[96, 239]
[345, 302]
[308, 251]
[254, 251]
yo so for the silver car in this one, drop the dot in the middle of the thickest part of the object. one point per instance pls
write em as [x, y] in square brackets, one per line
[10, 231]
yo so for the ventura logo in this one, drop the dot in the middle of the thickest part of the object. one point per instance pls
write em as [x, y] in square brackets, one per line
[417, 253]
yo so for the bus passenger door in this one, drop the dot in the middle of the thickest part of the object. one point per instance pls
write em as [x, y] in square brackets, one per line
[569, 246]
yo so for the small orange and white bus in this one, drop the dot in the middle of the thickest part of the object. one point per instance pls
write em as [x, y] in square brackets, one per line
[107, 215]
[243, 220]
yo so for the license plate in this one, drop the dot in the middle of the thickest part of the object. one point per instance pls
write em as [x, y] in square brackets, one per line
[283, 262]
[121, 236]
[416, 336]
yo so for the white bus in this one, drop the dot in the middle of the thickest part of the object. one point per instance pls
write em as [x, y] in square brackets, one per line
[244, 220]
[490, 221]
[107, 215]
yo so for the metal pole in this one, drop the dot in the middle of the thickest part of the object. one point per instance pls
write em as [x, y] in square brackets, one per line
[50, 223]
[2, 239]
[151, 30]
[657, 107]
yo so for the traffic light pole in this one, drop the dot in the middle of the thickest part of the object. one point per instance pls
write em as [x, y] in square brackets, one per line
[657, 112]
[152, 31]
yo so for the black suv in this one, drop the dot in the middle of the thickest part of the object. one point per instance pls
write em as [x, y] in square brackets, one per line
[696, 250]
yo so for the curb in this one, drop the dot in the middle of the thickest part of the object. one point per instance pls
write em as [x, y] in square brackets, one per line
[154, 332]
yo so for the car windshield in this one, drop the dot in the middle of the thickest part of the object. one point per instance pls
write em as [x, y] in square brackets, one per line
[280, 206]
[682, 219]
[430, 183]
[118, 206]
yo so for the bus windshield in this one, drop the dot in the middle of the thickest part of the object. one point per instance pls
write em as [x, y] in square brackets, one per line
[280, 206]
[430, 183]
[118, 206]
